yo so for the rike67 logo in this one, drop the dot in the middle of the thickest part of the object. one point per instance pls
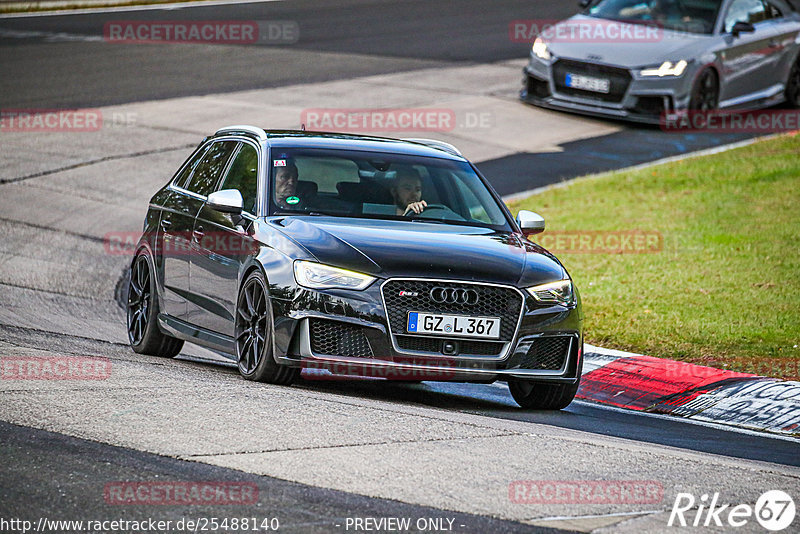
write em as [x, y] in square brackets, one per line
[774, 510]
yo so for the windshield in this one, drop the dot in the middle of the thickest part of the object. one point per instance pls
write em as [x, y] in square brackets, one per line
[693, 16]
[380, 186]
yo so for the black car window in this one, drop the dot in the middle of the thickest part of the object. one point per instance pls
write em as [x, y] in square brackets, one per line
[189, 166]
[752, 11]
[243, 176]
[380, 185]
[773, 11]
[208, 172]
[477, 210]
[327, 173]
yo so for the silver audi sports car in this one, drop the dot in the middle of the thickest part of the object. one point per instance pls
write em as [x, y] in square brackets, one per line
[644, 60]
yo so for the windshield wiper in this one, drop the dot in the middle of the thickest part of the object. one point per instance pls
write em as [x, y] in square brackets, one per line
[431, 219]
[317, 213]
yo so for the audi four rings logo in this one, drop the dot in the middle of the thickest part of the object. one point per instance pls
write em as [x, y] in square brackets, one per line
[445, 295]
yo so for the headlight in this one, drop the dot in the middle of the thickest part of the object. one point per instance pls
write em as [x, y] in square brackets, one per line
[319, 276]
[560, 292]
[540, 49]
[666, 69]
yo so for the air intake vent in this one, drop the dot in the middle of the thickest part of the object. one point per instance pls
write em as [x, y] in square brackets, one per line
[335, 338]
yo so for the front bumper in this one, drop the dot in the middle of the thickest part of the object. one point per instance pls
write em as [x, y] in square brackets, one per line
[639, 99]
[350, 333]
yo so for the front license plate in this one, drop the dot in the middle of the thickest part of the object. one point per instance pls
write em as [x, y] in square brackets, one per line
[453, 325]
[588, 83]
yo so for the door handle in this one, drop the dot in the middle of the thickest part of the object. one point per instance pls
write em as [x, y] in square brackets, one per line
[774, 44]
[198, 233]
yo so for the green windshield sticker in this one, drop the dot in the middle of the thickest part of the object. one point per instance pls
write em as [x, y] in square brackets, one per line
[292, 200]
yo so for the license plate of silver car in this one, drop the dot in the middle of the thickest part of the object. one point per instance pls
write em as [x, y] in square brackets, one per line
[588, 83]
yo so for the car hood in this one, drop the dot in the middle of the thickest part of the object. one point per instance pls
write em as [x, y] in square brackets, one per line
[642, 50]
[423, 250]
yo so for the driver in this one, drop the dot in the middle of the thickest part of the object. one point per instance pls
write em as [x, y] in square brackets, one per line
[407, 191]
[286, 186]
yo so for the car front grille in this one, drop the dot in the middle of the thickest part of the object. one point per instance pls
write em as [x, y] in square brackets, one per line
[546, 353]
[493, 301]
[619, 79]
[336, 338]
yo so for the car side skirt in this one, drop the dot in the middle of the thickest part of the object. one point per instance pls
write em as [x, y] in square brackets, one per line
[195, 334]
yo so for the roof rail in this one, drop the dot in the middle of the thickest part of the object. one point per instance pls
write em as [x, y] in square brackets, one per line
[252, 130]
[439, 145]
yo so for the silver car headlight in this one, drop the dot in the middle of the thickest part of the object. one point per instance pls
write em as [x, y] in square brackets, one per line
[315, 275]
[561, 292]
[540, 49]
[668, 68]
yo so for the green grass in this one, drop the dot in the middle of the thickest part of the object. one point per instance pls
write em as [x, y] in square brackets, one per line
[725, 289]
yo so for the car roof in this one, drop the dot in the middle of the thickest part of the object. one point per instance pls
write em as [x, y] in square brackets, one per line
[345, 141]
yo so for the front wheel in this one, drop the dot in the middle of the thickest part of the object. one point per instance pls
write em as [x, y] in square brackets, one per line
[144, 334]
[705, 92]
[254, 331]
[539, 396]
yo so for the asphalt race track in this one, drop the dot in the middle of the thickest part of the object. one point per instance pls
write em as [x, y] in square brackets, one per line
[62, 62]
[320, 452]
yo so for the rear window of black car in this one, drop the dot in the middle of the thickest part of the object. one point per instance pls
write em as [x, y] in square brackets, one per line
[189, 167]
[210, 169]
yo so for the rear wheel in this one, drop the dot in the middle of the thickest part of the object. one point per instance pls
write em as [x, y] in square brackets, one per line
[793, 85]
[539, 396]
[254, 331]
[144, 334]
[705, 93]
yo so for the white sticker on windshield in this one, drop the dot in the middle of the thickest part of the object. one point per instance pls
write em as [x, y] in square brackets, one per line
[280, 163]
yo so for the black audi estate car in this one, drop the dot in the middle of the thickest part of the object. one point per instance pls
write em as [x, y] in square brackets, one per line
[352, 255]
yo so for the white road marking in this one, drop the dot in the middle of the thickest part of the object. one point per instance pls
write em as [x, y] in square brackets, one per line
[709, 424]
[768, 404]
[677, 418]
[589, 349]
[593, 516]
[51, 37]
[122, 9]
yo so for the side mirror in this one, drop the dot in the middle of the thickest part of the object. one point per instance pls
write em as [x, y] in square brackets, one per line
[530, 223]
[742, 27]
[226, 201]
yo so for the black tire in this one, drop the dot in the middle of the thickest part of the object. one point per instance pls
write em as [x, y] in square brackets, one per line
[144, 334]
[705, 92]
[253, 332]
[793, 86]
[538, 396]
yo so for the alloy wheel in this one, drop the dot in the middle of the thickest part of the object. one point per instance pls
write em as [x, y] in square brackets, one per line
[252, 329]
[139, 300]
[706, 92]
